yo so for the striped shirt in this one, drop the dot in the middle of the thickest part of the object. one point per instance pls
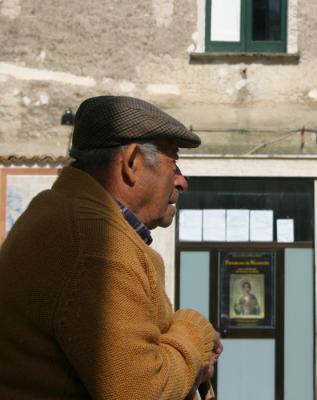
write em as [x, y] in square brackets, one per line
[136, 224]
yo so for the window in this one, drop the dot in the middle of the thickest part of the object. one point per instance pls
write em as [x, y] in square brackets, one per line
[288, 199]
[246, 26]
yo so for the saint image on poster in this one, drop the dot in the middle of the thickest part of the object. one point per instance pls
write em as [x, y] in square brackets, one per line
[247, 296]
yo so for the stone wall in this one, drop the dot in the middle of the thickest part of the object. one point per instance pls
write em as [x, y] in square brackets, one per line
[55, 54]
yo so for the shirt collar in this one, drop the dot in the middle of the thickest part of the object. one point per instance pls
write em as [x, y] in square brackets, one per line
[136, 224]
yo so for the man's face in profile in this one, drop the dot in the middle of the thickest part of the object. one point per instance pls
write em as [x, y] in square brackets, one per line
[161, 185]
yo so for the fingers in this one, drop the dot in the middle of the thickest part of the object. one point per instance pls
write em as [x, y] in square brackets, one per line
[218, 347]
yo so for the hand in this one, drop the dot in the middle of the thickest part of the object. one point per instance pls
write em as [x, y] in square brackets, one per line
[218, 347]
[207, 370]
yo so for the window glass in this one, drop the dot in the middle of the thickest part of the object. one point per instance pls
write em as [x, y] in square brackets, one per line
[240, 26]
[288, 198]
[225, 20]
[266, 20]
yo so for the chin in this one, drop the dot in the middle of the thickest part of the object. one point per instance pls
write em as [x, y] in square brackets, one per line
[160, 224]
[165, 221]
[164, 224]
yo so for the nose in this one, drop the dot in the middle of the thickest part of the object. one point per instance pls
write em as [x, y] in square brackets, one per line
[181, 183]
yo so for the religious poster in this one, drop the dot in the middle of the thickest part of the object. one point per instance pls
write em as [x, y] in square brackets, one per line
[247, 296]
[247, 288]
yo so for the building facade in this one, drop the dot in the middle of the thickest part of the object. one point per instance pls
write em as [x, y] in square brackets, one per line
[240, 73]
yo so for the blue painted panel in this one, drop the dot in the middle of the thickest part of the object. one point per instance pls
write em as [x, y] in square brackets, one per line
[194, 281]
[246, 370]
[299, 328]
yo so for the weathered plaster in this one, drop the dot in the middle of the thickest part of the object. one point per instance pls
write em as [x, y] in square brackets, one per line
[312, 94]
[33, 74]
[10, 8]
[127, 87]
[53, 58]
[200, 27]
[163, 89]
[292, 26]
[163, 12]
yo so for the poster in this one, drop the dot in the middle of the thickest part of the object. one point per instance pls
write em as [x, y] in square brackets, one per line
[247, 296]
[20, 191]
[247, 288]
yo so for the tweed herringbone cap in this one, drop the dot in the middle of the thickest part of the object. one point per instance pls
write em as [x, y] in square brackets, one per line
[107, 121]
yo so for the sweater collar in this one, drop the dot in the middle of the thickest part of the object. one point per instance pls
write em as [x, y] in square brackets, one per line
[136, 224]
[78, 183]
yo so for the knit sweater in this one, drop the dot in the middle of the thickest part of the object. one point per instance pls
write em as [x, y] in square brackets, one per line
[83, 310]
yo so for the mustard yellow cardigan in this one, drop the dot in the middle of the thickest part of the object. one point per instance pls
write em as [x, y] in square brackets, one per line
[83, 310]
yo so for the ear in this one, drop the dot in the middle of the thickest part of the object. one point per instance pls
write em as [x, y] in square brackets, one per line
[130, 163]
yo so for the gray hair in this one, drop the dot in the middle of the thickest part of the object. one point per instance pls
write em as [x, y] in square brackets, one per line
[97, 157]
[149, 150]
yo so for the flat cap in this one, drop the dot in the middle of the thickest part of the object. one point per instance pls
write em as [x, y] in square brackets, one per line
[108, 121]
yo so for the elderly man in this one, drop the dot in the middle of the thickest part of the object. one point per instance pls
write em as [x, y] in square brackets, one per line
[83, 310]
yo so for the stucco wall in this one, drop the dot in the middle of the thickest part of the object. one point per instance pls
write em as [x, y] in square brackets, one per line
[55, 54]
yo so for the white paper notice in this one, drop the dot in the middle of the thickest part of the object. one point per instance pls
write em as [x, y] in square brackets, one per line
[214, 225]
[285, 230]
[261, 225]
[238, 225]
[190, 225]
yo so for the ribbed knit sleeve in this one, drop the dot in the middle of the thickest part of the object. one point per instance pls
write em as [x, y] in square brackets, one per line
[108, 328]
[196, 329]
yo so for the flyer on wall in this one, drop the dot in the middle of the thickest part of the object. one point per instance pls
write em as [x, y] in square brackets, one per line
[247, 289]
